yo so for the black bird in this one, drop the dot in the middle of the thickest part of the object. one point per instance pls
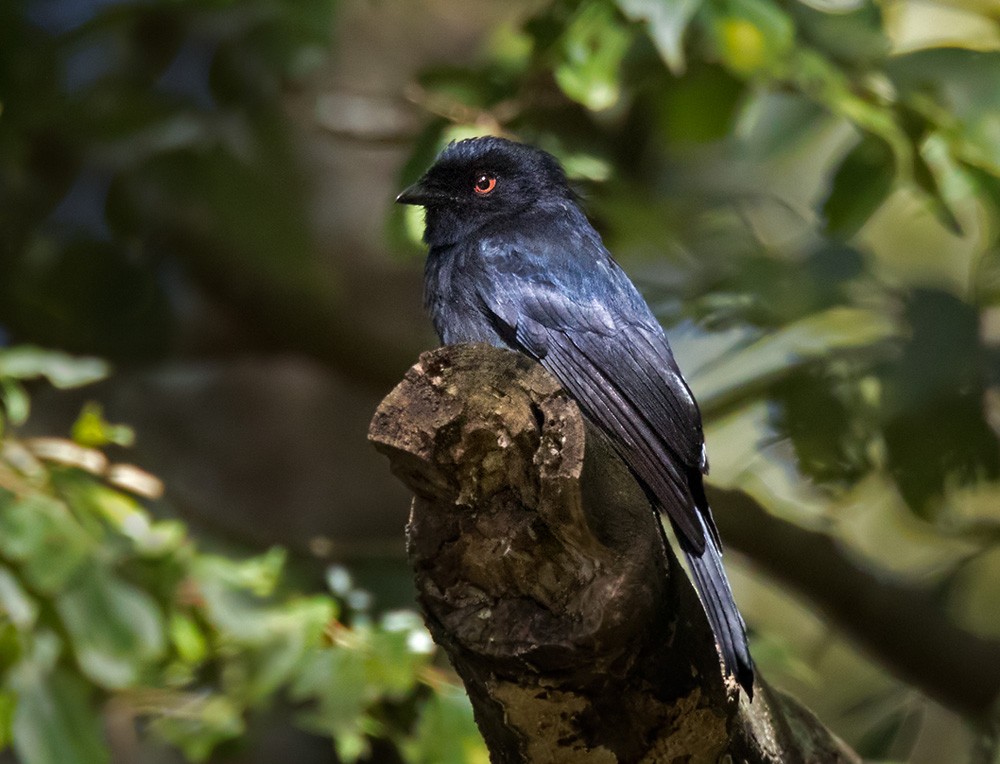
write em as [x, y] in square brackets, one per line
[514, 262]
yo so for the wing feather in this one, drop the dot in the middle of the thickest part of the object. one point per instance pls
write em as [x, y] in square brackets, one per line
[658, 432]
[642, 448]
[600, 339]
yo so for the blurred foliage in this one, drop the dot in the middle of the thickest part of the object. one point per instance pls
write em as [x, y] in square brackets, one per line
[735, 90]
[809, 192]
[105, 608]
[699, 105]
[142, 150]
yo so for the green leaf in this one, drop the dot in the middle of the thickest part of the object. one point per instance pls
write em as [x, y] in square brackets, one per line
[15, 602]
[752, 36]
[293, 630]
[862, 182]
[8, 704]
[200, 724]
[92, 430]
[12, 646]
[974, 602]
[986, 185]
[54, 722]
[258, 575]
[123, 513]
[958, 92]
[938, 401]
[927, 181]
[592, 49]
[776, 122]
[14, 401]
[824, 415]
[446, 731]
[847, 30]
[393, 665]
[235, 594]
[479, 88]
[668, 21]
[701, 106]
[40, 535]
[61, 369]
[337, 678]
[743, 373]
[116, 630]
[187, 638]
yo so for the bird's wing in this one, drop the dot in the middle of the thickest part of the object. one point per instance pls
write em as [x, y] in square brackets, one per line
[619, 368]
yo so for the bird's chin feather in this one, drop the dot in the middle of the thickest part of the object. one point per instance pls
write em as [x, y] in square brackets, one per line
[442, 226]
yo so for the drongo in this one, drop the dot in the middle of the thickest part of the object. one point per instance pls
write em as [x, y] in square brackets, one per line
[514, 262]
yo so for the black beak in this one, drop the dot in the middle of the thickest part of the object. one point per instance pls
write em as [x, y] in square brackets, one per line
[422, 194]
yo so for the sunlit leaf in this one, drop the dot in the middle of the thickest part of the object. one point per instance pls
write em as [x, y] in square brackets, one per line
[91, 429]
[392, 663]
[892, 538]
[14, 402]
[187, 638]
[747, 452]
[668, 21]
[773, 650]
[752, 36]
[592, 48]
[959, 89]
[974, 599]
[742, 373]
[446, 731]
[61, 369]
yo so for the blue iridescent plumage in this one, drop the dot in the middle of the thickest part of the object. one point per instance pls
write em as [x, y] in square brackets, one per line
[513, 261]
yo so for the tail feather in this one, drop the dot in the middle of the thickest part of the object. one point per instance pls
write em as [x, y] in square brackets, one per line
[726, 622]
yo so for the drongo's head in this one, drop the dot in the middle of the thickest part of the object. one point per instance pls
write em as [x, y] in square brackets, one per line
[479, 180]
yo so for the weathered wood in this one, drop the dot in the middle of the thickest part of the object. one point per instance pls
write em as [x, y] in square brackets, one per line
[542, 571]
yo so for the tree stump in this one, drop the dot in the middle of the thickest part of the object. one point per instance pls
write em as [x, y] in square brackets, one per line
[542, 571]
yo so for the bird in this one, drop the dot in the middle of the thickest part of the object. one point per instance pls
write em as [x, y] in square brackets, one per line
[513, 261]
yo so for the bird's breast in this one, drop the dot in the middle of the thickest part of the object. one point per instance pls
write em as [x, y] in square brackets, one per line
[451, 297]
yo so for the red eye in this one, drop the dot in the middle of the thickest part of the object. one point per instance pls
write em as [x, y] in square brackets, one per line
[484, 184]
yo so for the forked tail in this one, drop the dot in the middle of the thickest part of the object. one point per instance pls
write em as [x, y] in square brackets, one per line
[727, 623]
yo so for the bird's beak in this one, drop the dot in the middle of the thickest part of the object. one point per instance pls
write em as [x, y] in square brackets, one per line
[421, 193]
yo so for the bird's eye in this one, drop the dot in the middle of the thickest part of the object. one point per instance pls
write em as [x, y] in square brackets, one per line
[484, 185]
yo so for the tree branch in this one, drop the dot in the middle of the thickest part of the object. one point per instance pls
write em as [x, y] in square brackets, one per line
[542, 572]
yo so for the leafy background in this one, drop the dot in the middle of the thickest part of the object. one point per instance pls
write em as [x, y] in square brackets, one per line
[198, 193]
